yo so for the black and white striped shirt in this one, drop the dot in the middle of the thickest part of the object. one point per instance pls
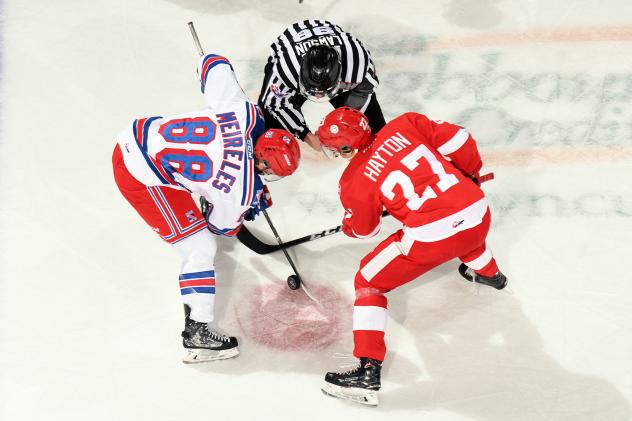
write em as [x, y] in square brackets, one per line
[281, 96]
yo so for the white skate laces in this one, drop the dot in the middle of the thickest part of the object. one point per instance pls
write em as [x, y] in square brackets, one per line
[218, 336]
[348, 362]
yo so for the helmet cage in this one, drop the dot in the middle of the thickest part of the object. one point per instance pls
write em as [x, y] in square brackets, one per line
[266, 172]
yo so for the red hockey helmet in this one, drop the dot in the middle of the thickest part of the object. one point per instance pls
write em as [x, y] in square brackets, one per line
[278, 150]
[344, 130]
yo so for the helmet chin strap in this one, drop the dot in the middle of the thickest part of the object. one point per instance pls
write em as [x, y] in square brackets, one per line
[326, 96]
[270, 178]
[329, 153]
[333, 154]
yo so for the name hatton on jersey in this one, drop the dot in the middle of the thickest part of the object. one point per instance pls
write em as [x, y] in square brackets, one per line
[390, 146]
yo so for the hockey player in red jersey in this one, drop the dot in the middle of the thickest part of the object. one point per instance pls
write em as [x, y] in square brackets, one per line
[425, 174]
[218, 153]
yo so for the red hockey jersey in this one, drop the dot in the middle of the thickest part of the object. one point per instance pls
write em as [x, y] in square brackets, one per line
[417, 169]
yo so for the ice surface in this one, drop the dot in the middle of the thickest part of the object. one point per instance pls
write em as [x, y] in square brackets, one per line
[89, 308]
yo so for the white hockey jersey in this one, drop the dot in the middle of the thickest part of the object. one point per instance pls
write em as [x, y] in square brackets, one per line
[208, 152]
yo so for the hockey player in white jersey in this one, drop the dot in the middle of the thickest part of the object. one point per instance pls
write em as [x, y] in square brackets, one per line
[160, 162]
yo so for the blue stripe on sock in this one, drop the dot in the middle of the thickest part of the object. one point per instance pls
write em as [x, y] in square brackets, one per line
[197, 290]
[196, 275]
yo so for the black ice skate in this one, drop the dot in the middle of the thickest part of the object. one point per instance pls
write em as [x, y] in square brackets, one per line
[358, 385]
[498, 281]
[203, 344]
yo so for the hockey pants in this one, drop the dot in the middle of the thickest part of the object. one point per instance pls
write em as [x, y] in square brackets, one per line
[398, 260]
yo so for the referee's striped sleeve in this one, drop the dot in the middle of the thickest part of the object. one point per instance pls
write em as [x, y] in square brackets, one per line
[281, 109]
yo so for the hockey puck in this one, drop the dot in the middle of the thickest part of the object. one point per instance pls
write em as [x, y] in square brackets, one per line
[293, 282]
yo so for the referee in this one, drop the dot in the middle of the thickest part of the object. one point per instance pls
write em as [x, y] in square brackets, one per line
[316, 60]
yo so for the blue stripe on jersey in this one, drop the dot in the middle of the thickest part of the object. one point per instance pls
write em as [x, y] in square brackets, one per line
[146, 130]
[246, 183]
[214, 60]
[181, 230]
[197, 290]
[160, 207]
[146, 124]
[197, 275]
[229, 232]
[259, 124]
[143, 147]
[201, 228]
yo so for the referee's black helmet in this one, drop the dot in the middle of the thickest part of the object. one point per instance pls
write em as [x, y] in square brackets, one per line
[320, 72]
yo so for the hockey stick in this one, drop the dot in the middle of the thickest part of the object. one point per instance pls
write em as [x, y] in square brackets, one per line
[196, 39]
[293, 281]
[249, 240]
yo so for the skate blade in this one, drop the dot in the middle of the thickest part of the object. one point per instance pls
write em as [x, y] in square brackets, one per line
[353, 394]
[198, 355]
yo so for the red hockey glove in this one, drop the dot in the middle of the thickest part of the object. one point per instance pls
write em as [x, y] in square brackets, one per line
[485, 177]
[480, 179]
[348, 231]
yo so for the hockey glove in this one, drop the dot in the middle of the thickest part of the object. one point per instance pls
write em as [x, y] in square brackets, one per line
[474, 178]
[480, 179]
[263, 201]
[348, 231]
